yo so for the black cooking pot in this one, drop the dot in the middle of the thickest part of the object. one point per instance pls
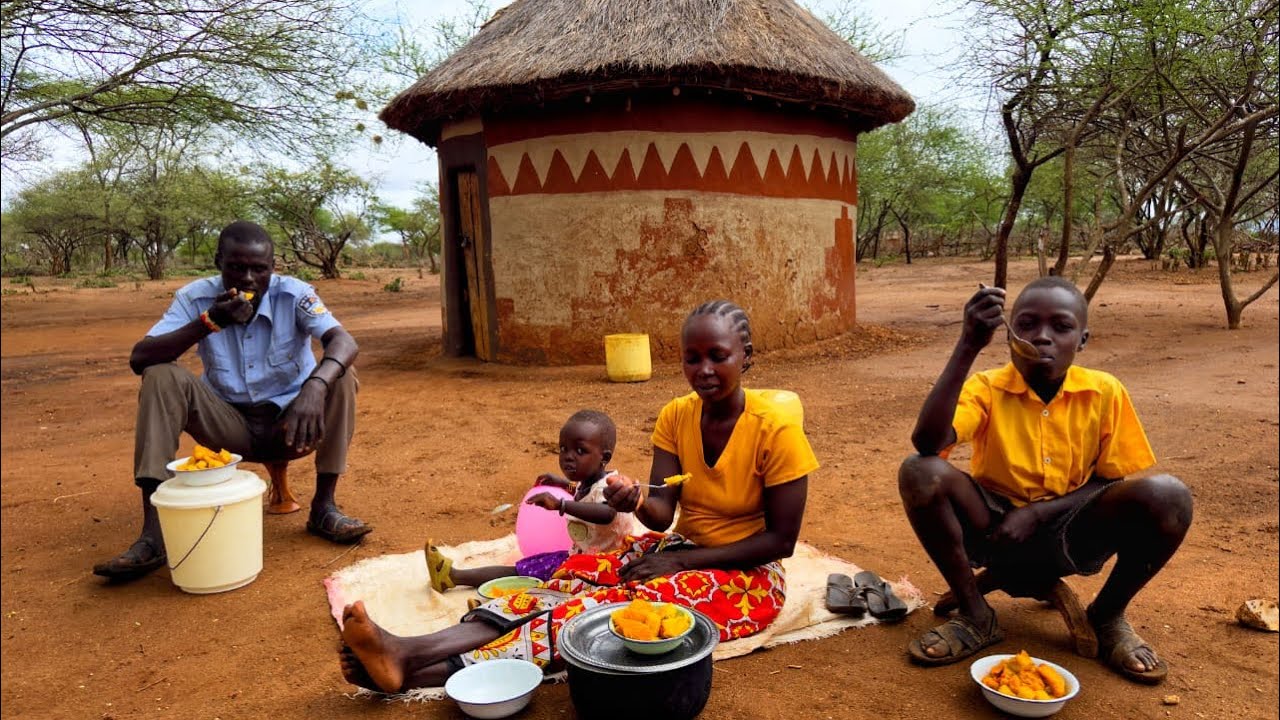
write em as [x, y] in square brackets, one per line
[678, 694]
[609, 682]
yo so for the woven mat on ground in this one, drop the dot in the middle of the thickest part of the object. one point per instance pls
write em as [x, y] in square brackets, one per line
[394, 588]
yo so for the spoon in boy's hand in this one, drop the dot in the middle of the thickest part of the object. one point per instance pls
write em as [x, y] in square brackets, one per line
[1017, 344]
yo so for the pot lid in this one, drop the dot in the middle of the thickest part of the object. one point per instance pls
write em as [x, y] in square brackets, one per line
[586, 641]
[242, 485]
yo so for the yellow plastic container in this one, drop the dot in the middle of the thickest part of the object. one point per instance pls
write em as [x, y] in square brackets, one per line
[212, 533]
[626, 357]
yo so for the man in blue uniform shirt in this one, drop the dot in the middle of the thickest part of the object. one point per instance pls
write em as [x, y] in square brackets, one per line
[262, 394]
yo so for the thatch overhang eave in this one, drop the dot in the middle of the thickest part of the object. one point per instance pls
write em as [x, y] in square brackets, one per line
[421, 114]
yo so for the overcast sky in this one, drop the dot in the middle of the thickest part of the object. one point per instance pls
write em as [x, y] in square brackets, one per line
[930, 46]
[931, 43]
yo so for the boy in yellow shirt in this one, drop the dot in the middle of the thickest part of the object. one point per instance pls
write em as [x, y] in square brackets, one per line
[1052, 444]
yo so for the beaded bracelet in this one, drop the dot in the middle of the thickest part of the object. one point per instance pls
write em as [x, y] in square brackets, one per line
[208, 322]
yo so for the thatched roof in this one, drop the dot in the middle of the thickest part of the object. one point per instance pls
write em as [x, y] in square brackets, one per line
[537, 51]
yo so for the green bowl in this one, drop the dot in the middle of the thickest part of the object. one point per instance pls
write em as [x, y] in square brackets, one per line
[517, 582]
[655, 647]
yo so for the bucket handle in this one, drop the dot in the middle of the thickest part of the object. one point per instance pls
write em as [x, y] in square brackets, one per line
[196, 544]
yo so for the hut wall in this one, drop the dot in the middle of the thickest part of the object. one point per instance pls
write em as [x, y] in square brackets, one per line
[610, 221]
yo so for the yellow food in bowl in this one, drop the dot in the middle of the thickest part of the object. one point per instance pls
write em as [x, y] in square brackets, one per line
[202, 458]
[1020, 677]
[646, 621]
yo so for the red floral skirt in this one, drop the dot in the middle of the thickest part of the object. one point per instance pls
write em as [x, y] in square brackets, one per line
[740, 602]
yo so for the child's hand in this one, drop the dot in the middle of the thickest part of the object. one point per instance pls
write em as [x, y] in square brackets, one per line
[553, 480]
[983, 314]
[545, 500]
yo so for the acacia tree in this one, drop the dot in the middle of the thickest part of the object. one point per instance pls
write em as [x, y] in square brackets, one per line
[1234, 179]
[233, 64]
[1205, 94]
[59, 214]
[926, 175]
[318, 210]
[418, 226]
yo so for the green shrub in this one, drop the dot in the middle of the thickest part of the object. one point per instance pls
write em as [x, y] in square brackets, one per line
[96, 281]
[10, 291]
[19, 280]
[357, 275]
[395, 285]
[305, 274]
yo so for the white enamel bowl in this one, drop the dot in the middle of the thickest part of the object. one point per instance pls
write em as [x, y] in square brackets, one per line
[1018, 706]
[494, 688]
[208, 476]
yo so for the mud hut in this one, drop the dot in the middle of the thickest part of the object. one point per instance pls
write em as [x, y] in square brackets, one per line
[607, 164]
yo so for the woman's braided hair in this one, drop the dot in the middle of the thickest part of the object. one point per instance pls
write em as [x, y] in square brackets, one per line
[736, 316]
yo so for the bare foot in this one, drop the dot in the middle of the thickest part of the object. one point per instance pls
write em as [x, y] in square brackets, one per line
[377, 651]
[353, 672]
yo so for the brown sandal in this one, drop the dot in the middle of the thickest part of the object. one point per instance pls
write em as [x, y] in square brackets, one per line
[142, 558]
[338, 527]
[1116, 642]
[962, 638]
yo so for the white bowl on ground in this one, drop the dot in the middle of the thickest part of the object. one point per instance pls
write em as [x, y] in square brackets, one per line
[1020, 707]
[494, 688]
[208, 476]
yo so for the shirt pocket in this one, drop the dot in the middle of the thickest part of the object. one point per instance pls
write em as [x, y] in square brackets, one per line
[283, 369]
[221, 373]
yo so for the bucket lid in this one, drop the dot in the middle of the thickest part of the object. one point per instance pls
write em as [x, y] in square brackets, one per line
[241, 486]
[586, 641]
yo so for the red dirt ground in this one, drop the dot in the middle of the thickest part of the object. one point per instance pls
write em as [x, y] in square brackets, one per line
[442, 442]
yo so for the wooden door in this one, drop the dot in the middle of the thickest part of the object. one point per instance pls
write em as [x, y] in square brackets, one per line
[475, 255]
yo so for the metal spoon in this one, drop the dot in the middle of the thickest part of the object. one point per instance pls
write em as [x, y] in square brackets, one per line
[1019, 346]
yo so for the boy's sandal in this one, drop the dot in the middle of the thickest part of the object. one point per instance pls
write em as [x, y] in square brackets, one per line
[438, 567]
[337, 527]
[142, 558]
[841, 598]
[961, 637]
[1116, 642]
[881, 601]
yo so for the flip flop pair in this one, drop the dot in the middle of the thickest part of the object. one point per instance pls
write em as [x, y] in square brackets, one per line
[841, 598]
[865, 593]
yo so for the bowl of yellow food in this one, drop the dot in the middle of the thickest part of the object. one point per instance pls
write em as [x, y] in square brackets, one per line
[204, 466]
[504, 586]
[651, 628]
[1024, 686]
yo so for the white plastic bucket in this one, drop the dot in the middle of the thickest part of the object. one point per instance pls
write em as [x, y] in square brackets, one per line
[212, 533]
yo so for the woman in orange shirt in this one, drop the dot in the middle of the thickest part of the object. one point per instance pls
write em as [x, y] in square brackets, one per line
[742, 462]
